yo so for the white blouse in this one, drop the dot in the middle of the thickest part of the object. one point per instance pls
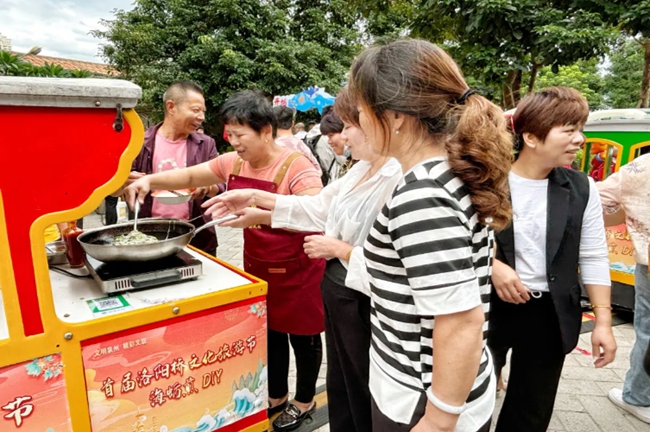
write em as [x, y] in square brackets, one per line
[342, 211]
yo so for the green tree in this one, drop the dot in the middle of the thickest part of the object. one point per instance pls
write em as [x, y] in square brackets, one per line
[636, 23]
[386, 18]
[278, 47]
[624, 75]
[499, 42]
[582, 76]
[632, 17]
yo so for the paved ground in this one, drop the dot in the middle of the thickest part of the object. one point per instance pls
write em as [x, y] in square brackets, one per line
[582, 403]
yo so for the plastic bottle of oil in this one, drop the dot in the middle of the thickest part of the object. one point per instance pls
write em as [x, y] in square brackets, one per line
[122, 211]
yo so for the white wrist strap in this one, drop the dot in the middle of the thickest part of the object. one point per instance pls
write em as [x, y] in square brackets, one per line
[443, 406]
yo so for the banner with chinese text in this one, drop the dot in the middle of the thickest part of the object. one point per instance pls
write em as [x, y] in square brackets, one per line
[199, 373]
[621, 249]
[33, 396]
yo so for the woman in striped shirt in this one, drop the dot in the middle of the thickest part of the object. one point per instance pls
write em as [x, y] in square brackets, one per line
[429, 252]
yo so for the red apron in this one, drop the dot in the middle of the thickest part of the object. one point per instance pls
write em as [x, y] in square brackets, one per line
[294, 301]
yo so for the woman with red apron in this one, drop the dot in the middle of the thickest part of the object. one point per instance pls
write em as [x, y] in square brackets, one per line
[294, 302]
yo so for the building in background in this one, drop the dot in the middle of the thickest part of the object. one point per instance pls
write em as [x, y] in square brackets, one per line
[68, 64]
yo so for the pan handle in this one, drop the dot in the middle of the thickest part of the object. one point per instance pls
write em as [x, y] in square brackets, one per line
[216, 222]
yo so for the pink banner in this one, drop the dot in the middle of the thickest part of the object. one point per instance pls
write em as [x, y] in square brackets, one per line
[202, 373]
[33, 397]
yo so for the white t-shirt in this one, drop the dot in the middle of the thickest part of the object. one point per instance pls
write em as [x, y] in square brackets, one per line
[530, 212]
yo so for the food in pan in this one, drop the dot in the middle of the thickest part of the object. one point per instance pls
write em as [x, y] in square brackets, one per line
[134, 238]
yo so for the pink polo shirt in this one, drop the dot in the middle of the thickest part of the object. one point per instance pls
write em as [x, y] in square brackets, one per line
[169, 155]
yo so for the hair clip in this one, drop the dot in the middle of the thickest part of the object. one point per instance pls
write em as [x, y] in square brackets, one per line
[512, 123]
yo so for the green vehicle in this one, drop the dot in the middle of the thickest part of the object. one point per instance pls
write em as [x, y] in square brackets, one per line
[614, 138]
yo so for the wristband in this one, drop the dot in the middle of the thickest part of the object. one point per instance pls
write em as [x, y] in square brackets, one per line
[348, 255]
[456, 410]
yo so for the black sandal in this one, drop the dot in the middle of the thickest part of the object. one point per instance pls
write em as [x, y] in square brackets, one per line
[276, 409]
[291, 418]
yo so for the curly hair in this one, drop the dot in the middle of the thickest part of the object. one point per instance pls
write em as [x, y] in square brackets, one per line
[418, 79]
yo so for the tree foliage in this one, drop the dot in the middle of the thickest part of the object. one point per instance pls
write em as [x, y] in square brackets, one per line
[632, 17]
[506, 48]
[582, 76]
[386, 18]
[497, 42]
[624, 75]
[278, 47]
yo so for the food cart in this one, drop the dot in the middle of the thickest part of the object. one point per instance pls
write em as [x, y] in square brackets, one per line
[187, 353]
[614, 138]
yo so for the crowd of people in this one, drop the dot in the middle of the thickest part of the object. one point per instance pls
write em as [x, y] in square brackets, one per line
[428, 259]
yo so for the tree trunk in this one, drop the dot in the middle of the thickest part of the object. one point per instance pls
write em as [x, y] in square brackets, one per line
[533, 77]
[516, 87]
[645, 83]
[512, 89]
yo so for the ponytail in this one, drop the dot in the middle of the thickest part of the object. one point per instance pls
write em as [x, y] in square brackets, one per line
[479, 152]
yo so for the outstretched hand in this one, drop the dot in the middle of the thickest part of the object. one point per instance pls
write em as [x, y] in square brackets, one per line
[229, 202]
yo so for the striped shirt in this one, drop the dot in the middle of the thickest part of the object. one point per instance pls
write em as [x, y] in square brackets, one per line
[427, 254]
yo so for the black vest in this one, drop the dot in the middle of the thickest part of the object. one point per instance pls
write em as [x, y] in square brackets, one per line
[568, 195]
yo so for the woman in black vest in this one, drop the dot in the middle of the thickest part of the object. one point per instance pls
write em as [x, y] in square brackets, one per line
[557, 237]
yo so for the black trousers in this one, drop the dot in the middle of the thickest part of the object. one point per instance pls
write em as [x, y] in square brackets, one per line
[111, 210]
[309, 355]
[381, 423]
[347, 337]
[532, 331]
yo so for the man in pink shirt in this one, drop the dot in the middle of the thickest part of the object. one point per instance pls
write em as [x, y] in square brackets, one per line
[175, 144]
[285, 137]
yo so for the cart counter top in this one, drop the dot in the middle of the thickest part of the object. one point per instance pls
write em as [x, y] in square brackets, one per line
[79, 300]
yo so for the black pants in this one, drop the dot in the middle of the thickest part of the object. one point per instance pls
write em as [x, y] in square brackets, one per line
[532, 331]
[309, 355]
[347, 337]
[381, 423]
[111, 210]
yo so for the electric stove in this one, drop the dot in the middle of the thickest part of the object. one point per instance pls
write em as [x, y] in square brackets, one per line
[115, 277]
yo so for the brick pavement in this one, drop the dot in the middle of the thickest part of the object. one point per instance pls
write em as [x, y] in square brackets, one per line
[582, 403]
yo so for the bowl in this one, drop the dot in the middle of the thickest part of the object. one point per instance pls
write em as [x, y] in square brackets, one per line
[56, 253]
[173, 198]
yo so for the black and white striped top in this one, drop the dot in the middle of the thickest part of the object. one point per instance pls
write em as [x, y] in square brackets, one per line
[427, 255]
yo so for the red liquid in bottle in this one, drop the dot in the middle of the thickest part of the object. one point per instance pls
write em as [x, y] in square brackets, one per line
[74, 251]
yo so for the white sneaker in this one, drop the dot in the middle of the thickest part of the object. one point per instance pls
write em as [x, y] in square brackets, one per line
[642, 413]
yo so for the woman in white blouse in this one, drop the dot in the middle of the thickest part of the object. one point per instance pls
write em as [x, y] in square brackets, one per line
[345, 211]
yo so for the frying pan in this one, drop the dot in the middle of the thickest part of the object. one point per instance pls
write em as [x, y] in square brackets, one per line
[172, 234]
